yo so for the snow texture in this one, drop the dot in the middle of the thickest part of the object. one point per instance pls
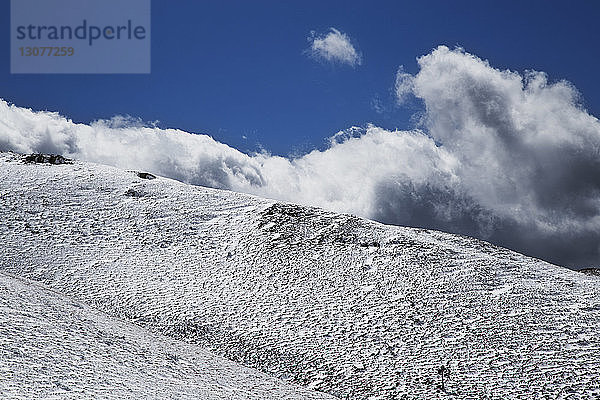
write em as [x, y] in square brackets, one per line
[339, 304]
[53, 347]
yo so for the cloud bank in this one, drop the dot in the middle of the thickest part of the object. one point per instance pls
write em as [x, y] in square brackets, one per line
[335, 46]
[505, 157]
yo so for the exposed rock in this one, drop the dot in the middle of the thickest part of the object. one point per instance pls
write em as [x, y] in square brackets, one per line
[55, 159]
[145, 175]
[590, 271]
[134, 193]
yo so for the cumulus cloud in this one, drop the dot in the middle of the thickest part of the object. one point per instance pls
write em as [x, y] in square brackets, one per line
[503, 156]
[527, 154]
[335, 46]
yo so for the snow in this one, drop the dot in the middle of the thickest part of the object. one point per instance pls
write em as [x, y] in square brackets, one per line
[52, 347]
[299, 293]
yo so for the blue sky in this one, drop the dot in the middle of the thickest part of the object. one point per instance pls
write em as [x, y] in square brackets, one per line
[238, 70]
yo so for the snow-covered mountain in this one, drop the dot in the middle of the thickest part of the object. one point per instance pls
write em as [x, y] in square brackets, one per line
[342, 305]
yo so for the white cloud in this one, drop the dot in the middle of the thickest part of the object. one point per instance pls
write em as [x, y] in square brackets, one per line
[527, 154]
[404, 85]
[335, 46]
[339, 178]
[509, 158]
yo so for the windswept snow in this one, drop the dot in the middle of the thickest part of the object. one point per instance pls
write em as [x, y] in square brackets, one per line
[53, 347]
[333, 302]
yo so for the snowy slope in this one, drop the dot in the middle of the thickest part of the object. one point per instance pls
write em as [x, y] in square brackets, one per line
[53, 347]
[339, 304]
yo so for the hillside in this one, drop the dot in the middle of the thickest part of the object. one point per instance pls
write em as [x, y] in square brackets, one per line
[336, 303]
[53, 347]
